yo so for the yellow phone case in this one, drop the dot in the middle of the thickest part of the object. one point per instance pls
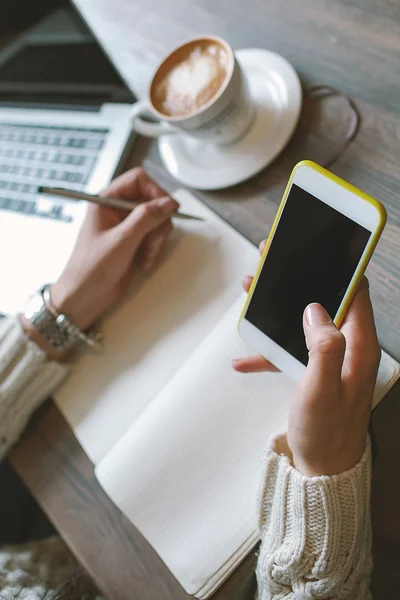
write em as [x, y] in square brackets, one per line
[369, 250]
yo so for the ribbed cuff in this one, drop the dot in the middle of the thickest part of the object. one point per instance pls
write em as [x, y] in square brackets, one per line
[26, 379]
[315, 530]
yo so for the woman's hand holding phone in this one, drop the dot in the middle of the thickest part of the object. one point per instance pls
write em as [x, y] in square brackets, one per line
[330, 410]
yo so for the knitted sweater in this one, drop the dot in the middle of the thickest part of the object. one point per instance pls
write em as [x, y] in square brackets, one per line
[315, 532]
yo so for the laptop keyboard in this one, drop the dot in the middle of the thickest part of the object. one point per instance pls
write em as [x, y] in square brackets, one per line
[31, 156]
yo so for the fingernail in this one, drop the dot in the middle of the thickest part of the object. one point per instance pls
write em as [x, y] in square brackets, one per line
[237, 363]
[316, 315]
[168, 205]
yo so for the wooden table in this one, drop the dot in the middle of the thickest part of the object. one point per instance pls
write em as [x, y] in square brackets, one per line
[354, 46]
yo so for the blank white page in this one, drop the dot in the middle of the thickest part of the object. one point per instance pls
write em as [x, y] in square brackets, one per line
[165, 317]
[188, 470]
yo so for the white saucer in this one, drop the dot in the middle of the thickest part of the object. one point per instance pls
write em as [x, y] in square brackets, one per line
[276, 90]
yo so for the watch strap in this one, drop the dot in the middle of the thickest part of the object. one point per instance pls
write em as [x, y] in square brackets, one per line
[41, 318]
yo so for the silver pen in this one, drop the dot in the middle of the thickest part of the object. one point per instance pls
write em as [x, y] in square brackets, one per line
[111, 202]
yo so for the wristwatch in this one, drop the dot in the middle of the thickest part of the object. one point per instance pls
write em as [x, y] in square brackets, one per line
[56, 328]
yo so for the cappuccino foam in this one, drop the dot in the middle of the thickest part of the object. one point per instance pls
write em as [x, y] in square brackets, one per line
[192, 81]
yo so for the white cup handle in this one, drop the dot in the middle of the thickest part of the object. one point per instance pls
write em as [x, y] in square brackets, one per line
[145, 128]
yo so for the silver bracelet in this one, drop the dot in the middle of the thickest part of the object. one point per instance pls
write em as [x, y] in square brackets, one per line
[92, 337]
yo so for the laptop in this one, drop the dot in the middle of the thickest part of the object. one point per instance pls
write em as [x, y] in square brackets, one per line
[64, 122]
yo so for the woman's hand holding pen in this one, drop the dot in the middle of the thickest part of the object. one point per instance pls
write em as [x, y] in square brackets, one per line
[108, 246]
[330, 409]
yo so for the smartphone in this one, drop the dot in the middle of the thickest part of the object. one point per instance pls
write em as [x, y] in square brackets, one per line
[319, 246]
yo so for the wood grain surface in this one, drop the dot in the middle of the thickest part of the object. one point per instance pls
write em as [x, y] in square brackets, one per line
[353, 46]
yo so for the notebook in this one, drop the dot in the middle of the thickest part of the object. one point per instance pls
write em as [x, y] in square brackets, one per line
[177, 437]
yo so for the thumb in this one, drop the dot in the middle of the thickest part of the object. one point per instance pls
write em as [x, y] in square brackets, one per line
[146, 217]
[326, 345]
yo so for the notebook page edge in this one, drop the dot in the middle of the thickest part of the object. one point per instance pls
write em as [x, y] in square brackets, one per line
[384, 384]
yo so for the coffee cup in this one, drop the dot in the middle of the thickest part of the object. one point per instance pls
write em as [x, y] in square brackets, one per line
[199, 90]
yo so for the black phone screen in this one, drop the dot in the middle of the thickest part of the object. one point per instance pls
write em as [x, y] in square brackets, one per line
[312, 258]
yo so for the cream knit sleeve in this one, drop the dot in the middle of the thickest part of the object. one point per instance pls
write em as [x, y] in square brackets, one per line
[26, 379]
[315, 531]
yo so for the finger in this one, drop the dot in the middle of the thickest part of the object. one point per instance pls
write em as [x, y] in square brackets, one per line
[362, 346]
[148, 189]
[360, 309]
[253, 364]
[146, 218]
[262, 245]
[326, 346]
[136, 185]
[246, 283]
[100, 218]
[153, 245]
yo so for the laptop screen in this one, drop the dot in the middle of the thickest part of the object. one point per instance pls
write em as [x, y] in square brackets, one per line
[59, 62]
